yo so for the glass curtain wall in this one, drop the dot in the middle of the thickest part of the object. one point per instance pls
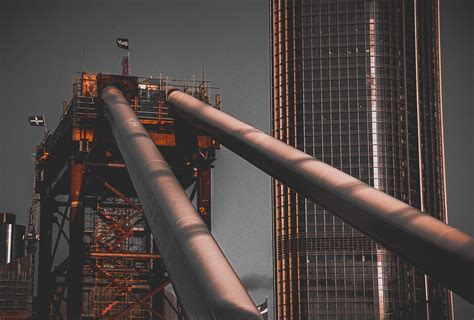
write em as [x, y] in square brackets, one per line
[345, 89]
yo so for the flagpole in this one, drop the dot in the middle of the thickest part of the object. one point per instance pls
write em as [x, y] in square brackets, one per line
[128, 62]
[83, 59]
[122, 43]
[39, 121]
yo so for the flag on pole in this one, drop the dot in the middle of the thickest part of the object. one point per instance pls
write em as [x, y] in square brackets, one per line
[122, 43]
[36, 121]
[263, 308]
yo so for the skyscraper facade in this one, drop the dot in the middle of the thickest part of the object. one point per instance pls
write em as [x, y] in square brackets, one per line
[357, 84]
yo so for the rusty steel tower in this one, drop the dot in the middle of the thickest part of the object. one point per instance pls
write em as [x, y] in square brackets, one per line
[97, 256]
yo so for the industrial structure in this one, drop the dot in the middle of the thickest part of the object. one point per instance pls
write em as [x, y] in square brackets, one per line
[112, 180]
[90, 209]
[357, 84]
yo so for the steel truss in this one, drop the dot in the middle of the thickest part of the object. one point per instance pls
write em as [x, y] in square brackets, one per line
[97, 256]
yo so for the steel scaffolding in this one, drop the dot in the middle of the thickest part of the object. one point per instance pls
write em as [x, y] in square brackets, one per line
[97, 257]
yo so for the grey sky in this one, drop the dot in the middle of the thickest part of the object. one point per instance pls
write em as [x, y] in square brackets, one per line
[41, 48]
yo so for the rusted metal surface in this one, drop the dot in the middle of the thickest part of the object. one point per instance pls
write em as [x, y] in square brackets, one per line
[113, 218]
[76, 242]
[129, 85]
[202, 277]
[437, 249]
[125, 255]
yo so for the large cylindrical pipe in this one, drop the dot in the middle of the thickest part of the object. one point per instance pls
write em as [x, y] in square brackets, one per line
[204, 280]
[441, 251]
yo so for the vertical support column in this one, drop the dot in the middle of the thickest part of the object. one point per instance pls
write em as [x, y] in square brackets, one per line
[204, 194]
[76, 242]
[45, 280]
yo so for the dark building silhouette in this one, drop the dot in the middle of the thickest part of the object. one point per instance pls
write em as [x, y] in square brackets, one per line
[7, 237]
[15, 271]
[357, 84]
[12, 244]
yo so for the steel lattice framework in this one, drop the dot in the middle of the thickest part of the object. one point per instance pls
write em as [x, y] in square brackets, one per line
[97, 255]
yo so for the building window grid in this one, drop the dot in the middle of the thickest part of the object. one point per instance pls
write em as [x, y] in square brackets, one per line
[314, 119]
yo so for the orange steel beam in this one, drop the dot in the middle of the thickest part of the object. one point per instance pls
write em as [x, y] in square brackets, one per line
[76, 242]
[163, 139]
[125, 255]
[169, 139]
[122, 270]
